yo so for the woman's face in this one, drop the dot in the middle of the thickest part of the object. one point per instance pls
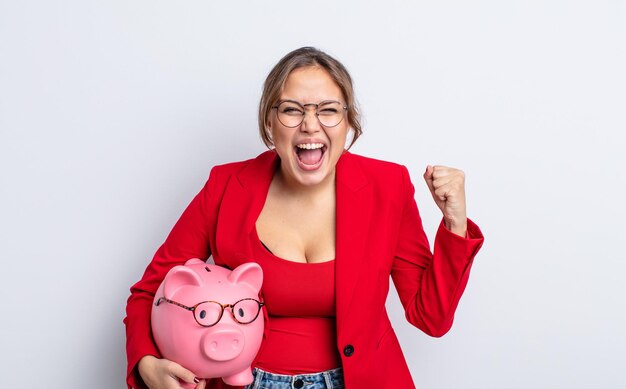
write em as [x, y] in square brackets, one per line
[310, 151]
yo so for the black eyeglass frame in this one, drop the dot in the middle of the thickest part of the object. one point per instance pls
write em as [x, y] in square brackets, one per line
[192, 309]
[279, 102]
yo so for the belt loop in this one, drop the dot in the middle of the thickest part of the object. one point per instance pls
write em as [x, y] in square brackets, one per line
[329, 382]
[258, 377]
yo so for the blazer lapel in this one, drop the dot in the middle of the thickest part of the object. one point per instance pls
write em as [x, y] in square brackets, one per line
[354, 204]
[242, 203]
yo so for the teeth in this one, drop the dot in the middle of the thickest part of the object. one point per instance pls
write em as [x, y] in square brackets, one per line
[310, 146]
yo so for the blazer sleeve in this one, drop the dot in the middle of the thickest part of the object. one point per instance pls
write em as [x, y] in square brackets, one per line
[430, 284]
[188, 239]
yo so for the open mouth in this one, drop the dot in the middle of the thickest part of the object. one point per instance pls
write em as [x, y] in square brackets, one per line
[310, 155]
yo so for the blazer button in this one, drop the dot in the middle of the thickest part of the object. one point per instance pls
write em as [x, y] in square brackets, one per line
[348, 350]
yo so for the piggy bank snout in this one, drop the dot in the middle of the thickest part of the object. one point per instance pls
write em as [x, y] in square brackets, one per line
[223, 344]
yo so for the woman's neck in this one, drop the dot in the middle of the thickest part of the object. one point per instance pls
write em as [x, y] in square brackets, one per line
[290, 187]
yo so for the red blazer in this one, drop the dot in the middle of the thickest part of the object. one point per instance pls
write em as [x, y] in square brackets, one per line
[379, 233]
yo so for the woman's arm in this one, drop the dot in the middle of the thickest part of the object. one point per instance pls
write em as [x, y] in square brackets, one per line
[188, 239]
[430, 285]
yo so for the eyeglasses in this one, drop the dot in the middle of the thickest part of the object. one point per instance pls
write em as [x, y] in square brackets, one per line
[291, 113]
[209, 313]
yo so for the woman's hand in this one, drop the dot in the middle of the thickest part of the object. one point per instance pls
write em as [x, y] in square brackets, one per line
[165, 374]
[447, 186]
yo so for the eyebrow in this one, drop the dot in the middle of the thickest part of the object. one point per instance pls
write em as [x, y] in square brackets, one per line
[326, 101]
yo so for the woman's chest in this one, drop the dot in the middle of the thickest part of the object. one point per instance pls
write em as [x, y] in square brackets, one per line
[298, 231]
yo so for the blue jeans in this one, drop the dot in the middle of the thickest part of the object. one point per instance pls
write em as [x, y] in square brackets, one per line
[329, 379]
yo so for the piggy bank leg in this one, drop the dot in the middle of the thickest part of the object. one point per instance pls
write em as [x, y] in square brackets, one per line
[240, 379]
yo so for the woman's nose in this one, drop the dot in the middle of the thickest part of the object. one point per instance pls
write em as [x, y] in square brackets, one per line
[310, 123]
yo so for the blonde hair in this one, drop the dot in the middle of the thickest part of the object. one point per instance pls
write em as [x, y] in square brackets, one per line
[299, 58]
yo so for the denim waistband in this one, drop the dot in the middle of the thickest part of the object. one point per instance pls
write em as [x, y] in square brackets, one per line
[329, 379]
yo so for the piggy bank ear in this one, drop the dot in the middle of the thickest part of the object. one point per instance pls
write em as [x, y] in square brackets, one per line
[178, 277]
[248, 273]
[194, 261]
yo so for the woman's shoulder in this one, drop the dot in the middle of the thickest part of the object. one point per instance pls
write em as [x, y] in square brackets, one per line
[374, 166]
[228, 169]
[387, 178]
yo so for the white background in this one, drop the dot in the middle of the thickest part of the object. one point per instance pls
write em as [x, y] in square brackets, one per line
[113, 112]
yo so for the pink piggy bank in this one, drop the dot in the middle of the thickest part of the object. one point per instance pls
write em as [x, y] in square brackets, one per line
[208, 319]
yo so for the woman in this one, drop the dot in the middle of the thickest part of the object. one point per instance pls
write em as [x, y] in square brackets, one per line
[328, 228]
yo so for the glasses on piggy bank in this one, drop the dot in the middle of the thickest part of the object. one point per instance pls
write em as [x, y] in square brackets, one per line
[209, 313]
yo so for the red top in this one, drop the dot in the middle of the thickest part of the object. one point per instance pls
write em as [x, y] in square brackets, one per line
[300, 302]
